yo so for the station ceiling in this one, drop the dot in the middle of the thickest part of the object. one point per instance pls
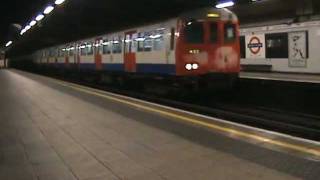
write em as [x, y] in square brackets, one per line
[78, 19]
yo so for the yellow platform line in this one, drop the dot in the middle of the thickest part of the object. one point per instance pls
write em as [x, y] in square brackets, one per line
[311, 151]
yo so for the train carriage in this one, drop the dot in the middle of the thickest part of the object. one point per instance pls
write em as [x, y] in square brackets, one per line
[196, 44]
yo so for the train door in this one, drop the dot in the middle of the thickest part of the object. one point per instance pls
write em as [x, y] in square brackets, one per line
[129, 54]
[98, 54]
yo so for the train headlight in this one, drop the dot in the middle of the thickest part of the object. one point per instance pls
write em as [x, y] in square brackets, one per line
[188, 67]
[195, 66]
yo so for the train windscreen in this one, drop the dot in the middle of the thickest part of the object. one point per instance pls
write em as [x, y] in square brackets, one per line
[213, 32]
[229, 33]
[194, 33]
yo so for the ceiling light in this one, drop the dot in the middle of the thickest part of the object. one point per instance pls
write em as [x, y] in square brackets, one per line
[23, 31]
[39, 17]
[225, 4]
[33, 22]
[58, 2]
[27, 27]
[8, 43]
[48, 10]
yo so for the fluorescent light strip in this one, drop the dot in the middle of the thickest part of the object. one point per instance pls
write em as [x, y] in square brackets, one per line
[39, 17]
[225, 4]
[58, 2]
[8, 43]
[48, 10]
[33, 22]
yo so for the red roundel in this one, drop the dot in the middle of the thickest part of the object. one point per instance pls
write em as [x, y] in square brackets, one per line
[255, 45]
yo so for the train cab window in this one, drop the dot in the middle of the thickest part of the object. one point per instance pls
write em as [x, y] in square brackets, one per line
[277, 45]
[117, 45]
[194, 33]
[229, 33]
[243, 47]
[106, 47]
[213, 32]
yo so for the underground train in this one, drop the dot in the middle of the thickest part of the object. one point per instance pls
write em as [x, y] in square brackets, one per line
[201, 43]
[283, 47]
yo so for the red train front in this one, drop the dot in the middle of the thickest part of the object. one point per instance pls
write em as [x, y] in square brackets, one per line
[208, 43]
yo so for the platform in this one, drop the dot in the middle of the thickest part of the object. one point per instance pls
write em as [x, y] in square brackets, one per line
[53, 130]
[289, 77]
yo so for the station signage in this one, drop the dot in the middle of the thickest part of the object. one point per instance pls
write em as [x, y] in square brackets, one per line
[255, 46]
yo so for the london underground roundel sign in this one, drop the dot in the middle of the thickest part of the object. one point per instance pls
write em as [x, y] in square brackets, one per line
[255, 45]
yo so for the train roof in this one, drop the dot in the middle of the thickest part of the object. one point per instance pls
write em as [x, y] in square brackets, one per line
[204, 13]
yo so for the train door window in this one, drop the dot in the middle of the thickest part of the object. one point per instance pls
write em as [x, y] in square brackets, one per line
[172, 38]
[243, 47]
[194, 32]
[97, 47]
[147, 45]
[140, 39]
[117, 45]
[89, 49]
[134, 44]
[213, 32]
[128, 42]
[277, 45]
[158, 43]
[229, 33]
[106, 47]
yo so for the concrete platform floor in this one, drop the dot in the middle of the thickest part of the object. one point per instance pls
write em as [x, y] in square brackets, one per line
[51, 132]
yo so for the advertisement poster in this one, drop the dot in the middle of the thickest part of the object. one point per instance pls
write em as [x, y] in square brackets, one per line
[298, 49]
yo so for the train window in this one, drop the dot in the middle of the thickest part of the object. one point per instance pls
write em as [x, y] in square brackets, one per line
[106, 47]
[51, 53]
[194, 33]
[89, 49]
[83, 51]
[213, 32]
[147, 45]
[229, 33]
[243, 47]
[140, 41]
[61, 52]
[117, 45]
[71, 51]
[277, 45]
[134, 44]
[173, 33]
[158, 43]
